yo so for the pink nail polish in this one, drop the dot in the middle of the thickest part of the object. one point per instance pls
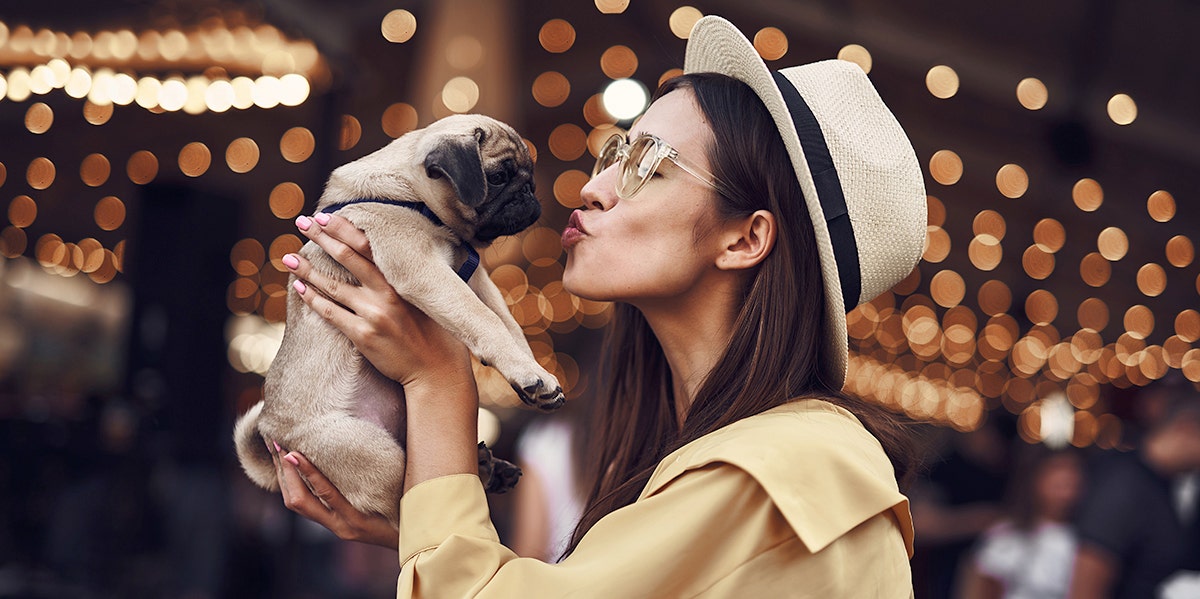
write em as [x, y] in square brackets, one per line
[290, 261]
[291, 459]
[321, 218]
[299, 287]
[303, 223]
[278, 449]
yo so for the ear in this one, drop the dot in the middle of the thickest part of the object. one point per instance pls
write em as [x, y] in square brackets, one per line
[747, 241]
[457, 159]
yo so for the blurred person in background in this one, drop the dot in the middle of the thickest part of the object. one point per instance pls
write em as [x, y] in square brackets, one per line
[1030, 553]
[548, 503]
[1139, 531]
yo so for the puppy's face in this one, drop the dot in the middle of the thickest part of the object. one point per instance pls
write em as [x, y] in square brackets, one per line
[487, 168]
[474, 173]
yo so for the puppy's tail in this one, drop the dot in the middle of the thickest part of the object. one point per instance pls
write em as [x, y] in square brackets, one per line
[252, 450]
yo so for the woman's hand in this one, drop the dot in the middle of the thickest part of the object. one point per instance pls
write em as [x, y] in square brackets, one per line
[397, 338]
[307, 492]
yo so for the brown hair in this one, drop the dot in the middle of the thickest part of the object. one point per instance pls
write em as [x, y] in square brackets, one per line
[774, 351]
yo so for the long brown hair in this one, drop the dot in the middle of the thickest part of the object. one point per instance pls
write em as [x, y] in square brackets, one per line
[774, 352]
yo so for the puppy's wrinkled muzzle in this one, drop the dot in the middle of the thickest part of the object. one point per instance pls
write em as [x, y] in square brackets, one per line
[510, 217]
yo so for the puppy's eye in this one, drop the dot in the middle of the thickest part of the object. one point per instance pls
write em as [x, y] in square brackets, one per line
[498, 178]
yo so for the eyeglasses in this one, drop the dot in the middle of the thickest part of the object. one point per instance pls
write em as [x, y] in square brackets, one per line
[639, 159]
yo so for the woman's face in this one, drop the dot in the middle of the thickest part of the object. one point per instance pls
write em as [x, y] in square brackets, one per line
[1058, 485]
[648, 246]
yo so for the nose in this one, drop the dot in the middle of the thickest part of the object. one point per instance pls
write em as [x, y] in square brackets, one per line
[600, 192]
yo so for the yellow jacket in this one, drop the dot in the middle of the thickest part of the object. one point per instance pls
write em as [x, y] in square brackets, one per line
[799, 501]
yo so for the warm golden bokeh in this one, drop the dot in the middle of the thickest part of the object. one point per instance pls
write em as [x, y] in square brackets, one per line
[551, 89]
[398, 26]
[557, 36]
[1161, 206]
[1049, 235]
[1112, 243]
[682, 19]
[109, 213]
[990, 222]
[567, 187]
[398, 119]
[1095, 270]
[351, 132]
[40, 173]
[1032, 93]
[945, 167]
[1122, 109]
[38, 118]
[142, 167]
[1092, 314]
[286, 200]
[297, 144]
[1038, 263]
[937, 244]
[985, 252]
[856, 54]
[94, 170]
[1087, 194]
[1012, 181]
[942, 82]
[771, 43]
[567, 142]
[618, 62]
[194, 159]
[1180, 251]
[1151, 280]
[22, 211]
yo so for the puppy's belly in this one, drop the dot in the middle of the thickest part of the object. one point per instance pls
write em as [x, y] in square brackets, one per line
[380, 400]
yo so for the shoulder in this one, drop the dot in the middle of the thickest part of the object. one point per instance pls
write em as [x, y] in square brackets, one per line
[823, 471]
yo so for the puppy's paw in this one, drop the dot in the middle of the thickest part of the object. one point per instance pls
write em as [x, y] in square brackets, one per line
[498, 475]
[541, 395]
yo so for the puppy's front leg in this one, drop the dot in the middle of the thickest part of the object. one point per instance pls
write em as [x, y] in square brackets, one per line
[486, 289]
[436, 290]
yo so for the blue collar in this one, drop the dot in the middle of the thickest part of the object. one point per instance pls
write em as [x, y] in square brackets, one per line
[464, 272]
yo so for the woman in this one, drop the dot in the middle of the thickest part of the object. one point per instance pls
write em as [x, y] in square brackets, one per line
[1030, 554]
[734, 232]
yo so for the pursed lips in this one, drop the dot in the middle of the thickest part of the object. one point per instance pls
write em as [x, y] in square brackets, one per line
[574, 231]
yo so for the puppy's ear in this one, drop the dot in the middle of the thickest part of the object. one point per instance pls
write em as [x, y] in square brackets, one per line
[457, 159]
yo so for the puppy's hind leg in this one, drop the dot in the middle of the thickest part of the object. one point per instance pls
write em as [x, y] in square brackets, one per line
[360, 458]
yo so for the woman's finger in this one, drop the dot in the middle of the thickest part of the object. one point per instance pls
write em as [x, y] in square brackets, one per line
[297, 496]
[345, 244]
[309, 277]
[344, 231]
[318, 484]
[338, 313]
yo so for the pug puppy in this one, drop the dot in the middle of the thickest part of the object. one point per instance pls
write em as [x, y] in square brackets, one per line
[425, 201]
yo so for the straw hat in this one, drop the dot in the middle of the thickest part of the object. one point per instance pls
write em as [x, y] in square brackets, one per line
[857, 170]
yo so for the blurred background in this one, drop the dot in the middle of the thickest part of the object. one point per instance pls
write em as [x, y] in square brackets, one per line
[156, 152]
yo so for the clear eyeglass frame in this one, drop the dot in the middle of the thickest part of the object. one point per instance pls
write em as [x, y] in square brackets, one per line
[639, 159]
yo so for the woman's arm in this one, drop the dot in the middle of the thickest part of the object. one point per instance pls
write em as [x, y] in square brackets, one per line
[403, 344]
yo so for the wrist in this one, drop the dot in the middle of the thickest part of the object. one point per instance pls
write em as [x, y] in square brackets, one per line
[442, 428]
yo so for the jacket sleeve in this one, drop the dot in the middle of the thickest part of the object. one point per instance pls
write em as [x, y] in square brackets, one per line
[705, 525]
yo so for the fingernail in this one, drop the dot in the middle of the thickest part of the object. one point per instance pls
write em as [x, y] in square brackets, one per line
[321, 218]
[303, 223]
[278, 449]
[290, 261]
[299, 287]
[291, 459]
